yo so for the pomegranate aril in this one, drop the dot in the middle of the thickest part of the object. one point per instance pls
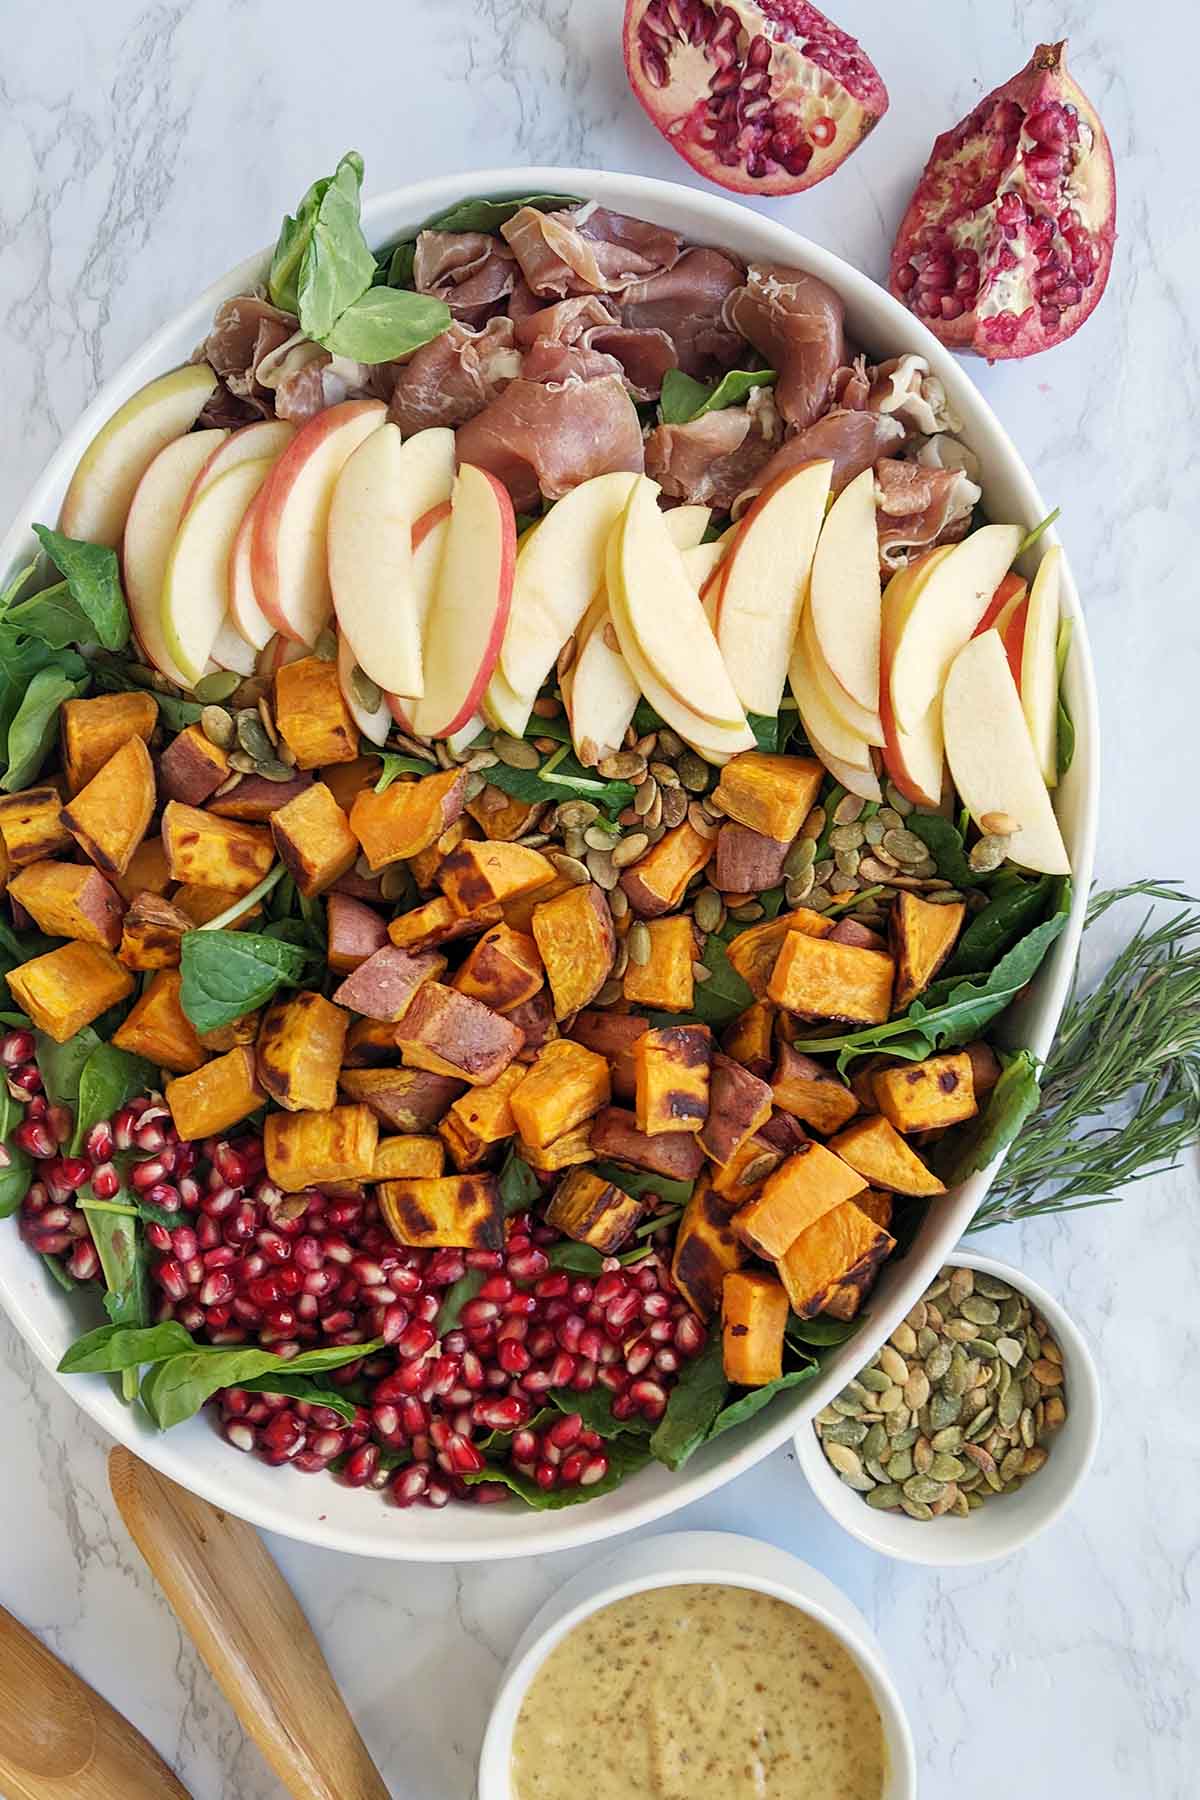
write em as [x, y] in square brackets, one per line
[595, 1469]
[35, 1137]
[84, 1262]
[415, 1340]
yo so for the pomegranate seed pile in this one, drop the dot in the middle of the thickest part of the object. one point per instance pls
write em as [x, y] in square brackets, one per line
[247, 1264]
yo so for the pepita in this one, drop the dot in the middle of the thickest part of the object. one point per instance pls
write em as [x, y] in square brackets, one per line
[639, 944]
[220, 685]
[218, 727]
[629, 849]
[515, 753]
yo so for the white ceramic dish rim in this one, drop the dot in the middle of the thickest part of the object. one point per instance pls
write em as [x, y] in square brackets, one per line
[996, 1530]
[321, 1512]
[685, 1559]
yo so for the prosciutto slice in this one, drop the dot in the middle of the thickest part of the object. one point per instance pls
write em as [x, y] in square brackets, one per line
[454, 376]
[305, 378]
[471, 271]
[644, 355]
[853, 441]
[919, 507]
[245, 330]
[795, 321]
[587, 251]
[710, 460]
[687, 303]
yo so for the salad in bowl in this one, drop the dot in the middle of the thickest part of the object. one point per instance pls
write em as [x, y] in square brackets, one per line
[530, 793]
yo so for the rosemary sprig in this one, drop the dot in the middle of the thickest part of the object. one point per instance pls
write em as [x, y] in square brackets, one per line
[1121, 1086]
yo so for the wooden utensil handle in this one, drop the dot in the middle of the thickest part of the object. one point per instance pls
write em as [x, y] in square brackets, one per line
[60, 1741]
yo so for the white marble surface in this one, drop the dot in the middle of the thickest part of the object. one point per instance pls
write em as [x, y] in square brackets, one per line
[147, 147]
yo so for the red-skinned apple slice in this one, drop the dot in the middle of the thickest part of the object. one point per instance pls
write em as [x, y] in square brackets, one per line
[1039, 664]
[819, 720]
[195, 581]
[844, 597]
[945, 611]
[603, 693]
[471, 606]
[863, 723]
[863, 782]
[429, 545]
[373, 721]
[277, 651]
[914, 760]
[999, 608]
[101, 491]
[264, 439]
[371, 563]
[245, 614]
[154, 515]
[288, 552]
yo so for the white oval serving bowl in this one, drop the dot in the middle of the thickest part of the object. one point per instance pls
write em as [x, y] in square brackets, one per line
[320, 1511]
[680, 1559]
[1005, 1522]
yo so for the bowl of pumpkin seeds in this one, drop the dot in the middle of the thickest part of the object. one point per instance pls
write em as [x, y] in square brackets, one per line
[969, 1430]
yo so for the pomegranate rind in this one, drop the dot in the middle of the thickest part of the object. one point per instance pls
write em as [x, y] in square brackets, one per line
[807, 89]
[1036, 284]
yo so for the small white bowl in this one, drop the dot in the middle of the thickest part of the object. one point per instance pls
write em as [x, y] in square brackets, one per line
[1007, 1522]
[678, 1559]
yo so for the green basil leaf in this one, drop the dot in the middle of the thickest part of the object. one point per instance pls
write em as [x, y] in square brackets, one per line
[520, 1189]
[53, 617]
[336, 264]
[107, 1080]
[945, 844]
[1014, 905]
[694, 1404]
[456, 1297]
[625, 1456]
[595, 1409]
[738, 1411]
[1014, 1099]
[394, 766]
[92, 576]
[111, 1348]
[227, 974]
[684, 398]
[385, 323]
[35, 725]
[176, 1389]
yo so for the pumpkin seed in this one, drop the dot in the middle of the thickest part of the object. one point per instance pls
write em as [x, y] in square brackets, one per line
[620, 962]
[515, 753]
[217, 686]
[992, 1288]
[571, 867]
[905, 846]
[700, 821]
[618, 903]
[629, 849]
[646, 797]
[622, 767]
[639, 943]
[747, 914]
[693, 771]
[875, 1439]
[884, 1498]
[987, 854]
[851, 1432]
[924, 1488]
[228, 785]
[601, 869]
[900, 1465]
[904, 1338]
[674, 807]
[848, 809]
[847, 863]
[814, 824]
[244, 764]
[873, 832]
[272, 769]
[218, 727]
[799, 859]
[797, 888]
[844, 1459]
[709, 909]
[874, 1380]
[576, 815]
[368, 693]
[253, 739]
[916, 1509]
[896, 800]
[893, 1364]
[846, 837]
[395, 882]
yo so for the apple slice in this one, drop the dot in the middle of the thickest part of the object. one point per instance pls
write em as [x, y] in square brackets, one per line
[992, 758]
[427, 470]
[428, 548]
[276, 653]
[819, 719]
[373, 721]
[700, 563]
[267, 438]
[245, 614]
[1039, 663]
[686, 525]
[913, 759]
[999, 608]
[371, 563]
[766, 579]
[863, 782]
[288, 555]
[863, 723]
[195, 585]
[97, 502]
[231, 651]
[465, 736]
[946, 611]
[844, 594]
[471, 606]
[603, 692]
[154, 515]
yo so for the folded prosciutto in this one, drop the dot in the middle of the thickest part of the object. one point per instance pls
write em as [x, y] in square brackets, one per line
[688, 304]
[852, 441]
[589, 251]
[473, 273]
[645, 354]
[454, 377]
[795, 322]
[919, 507]
[712, 459]
[244, 331]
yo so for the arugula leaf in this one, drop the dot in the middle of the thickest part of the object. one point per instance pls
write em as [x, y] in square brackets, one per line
[945, 844]
[625, 1455]
[394, 766]
[176, 1389]
[640, 1181]
[1014, 905]
[16, 1177]
[94, 582]
[520, 1188]
[226, 974]
[385, 323]
[336, 265]
[20, 660]
[745, 1407]
[107, 1080]
[52, 617]
[821, 1331]
[35, 724]
[1014, 1099]
[570, 779]
[110, 1348]
[456, 1297]
[595, 1409]
[8, 594]
[684, 398]
[724, 995]
[695, 1402]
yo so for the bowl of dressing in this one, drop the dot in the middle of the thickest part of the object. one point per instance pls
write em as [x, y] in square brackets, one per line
[699, 1662]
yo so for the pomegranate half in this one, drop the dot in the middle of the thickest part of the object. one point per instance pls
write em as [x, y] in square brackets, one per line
[760, 96]
[1008, 239]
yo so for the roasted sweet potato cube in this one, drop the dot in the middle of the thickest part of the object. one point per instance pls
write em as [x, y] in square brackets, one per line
[672, 1078]
[807, 1090]
[499, 815]
[842, 1247]
[831, 981]
[809, 1183]
[535, 1019]
[456, 1211]
[70, 900]
[502, 970]
[875, 1148]
[216, 1096]
[313, 837]
[566, 1085]
[451, 1034]
[370, 1044]
[423, 867]
[853, 931]
[436, 922]
[300, 1044]
[877, 1205]
[192, 767]
[485, 873]
[665, 980]
[738, 1104]
[255, 800]
[397, 1158]
[346, 781]
[384, 986]
[202, 904]
[407, 817]
[771, 794]
[31, 826]
[147, 872]
[613, 1036]
[67, 988]
[481, 1119]
[593, 1211]
[402, 1099]
[207, 852]
[517, 913]
[922, 937]
[743, 1175]
[747, 862]
[354, 931]
[754, 953]
[754, 1310]
[313, 718]
[750, 1040]
[577, 944]
[928, 1095]
[228, 1037]
[985, 1067]
[111, 815]
[157, 1027]
[674, 1154]
[706, 1249]
[572, 1148]
[94, 730]
[657, 882]
[153, 933]
[783, 1132]
[306, 1149]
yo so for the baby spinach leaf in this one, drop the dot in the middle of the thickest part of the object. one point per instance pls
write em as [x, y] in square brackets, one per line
[121, 1248]
[226, 974]
[766, 730]
[519, 1186]
[489, 214]
[8, 594]
[395, 766]
[53, 617]
[693, 1407]
[91, 574]
[20, 660]
[111, 1348]
[176, 1389]
[456, 1297]
[579, 1259]
[1014, 905]
[745, 1407]
[724, 995]
[62, 1064]
[1066, 725]
[566, 780]
[302, 1387]
[385, 323]
[107, 1080]
[625, 1456]
[113, 677]
[336, 264]
[641, 1181]
[17, 1175]
[402, 265]
[945, 844]
[17, 947]
[35, 724]
[60, 1273]
[595, 1409]
[1014, 1099]
[821, 1331]
[684, 398]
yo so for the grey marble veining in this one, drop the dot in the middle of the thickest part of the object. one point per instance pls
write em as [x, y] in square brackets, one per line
[147, 147]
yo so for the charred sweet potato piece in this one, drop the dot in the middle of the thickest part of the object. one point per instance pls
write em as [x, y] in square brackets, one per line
[922, 937]
[353, 933]
[424, 866]
[843, 1247]
[535, 1019]
[985, 1067]
[845, 1300]
[771, 794]
[147, 872]
[875, 1148]
[206, 852]
[742, 1176]
[810, 1182]
[809, 1091]
[192, 768]
[672, 1065]
[110, 816]
[5, 867]
[754, 1310]
[502, 970]
[402, 1099]
[485, 873]
[481, 1119]
[346, 781]
[657, 882]
[216, 1096]
[594, 1211]
[499, 815]
[407, 817]
[754, 953]
[456, 1211]
[384, 986]
[706, 1249]
[202, 904]
[152, 934]
[750, 1040]
[300, 1044]
[228, 1037]
[566, 1085]
[436, 922]
[517, 913]
[665, 980]
[370, 1044]
[94, 730]
[572, 1148]
[255, 800]
[313, 718]
[31, 826]
[674, 1154]
[738, 1104]
[67, 988]
[831, 981]
[313, 837]
[613, 1036]
[157, 1027]
[397, 1158]
[577, 944]
[929, 1095]
[748, 862]
[304, 1148]
[451, 1034]
[877, 1205]
[70, 900]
